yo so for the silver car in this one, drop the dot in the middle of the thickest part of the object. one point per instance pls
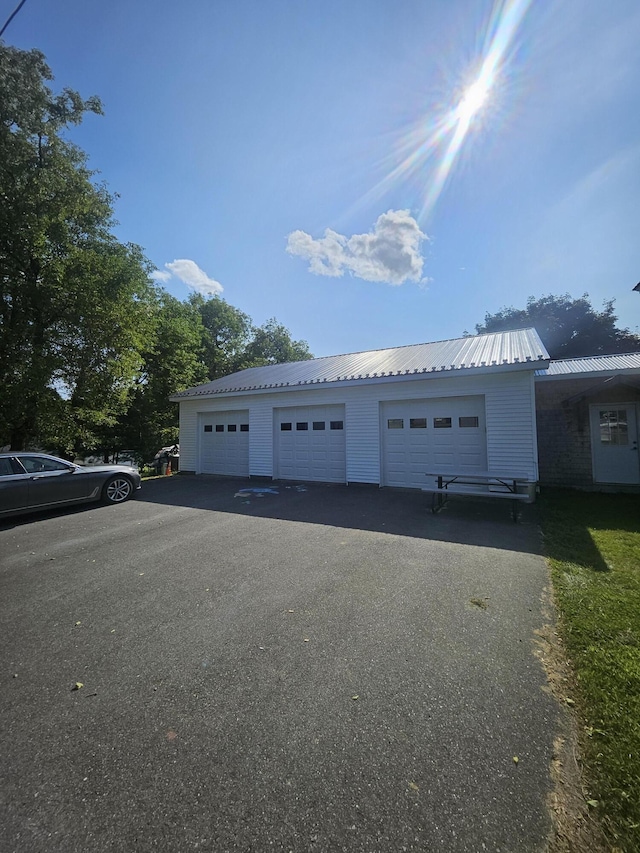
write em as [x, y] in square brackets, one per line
[32, 481]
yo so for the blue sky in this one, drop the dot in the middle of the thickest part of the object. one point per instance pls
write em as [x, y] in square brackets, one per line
[294, 152]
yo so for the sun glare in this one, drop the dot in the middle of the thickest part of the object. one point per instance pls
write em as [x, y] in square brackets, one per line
[473, 99]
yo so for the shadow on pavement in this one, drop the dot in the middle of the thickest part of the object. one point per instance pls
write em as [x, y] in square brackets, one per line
[393, 511]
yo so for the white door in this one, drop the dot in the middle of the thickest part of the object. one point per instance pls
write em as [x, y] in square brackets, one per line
[420, 436]
[614, 443]
[310, 444]
[224, 443]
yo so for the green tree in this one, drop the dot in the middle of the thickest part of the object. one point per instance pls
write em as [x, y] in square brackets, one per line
[226, 332]
[569, 328]
[75, 304]
[172, 363]
[272, 344]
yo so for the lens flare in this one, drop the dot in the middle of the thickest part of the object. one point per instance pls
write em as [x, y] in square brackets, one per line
[435, 142]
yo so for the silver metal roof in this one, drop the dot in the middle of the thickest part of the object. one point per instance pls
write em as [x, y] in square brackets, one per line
[520, 348]
[591, 364]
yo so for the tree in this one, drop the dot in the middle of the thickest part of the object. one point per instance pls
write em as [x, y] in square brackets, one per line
[173, 362]
[272, 344]
[75, 304]
[226, 332]
[569, 328]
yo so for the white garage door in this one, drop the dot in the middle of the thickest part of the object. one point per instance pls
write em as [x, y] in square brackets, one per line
[310, 443]
[224, 443]
[444, 434]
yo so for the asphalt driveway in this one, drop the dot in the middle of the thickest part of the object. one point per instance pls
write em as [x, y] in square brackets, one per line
[323, 669]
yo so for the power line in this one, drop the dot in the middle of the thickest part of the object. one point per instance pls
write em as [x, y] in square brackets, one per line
[12, 16]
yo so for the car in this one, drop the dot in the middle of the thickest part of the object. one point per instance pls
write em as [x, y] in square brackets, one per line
[33, 481]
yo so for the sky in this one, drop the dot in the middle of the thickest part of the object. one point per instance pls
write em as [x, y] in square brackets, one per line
[371, 173]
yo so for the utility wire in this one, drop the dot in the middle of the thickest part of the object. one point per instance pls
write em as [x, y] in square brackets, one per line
[12, 16]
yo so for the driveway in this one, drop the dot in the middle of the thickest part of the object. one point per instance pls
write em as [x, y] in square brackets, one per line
[327, 668]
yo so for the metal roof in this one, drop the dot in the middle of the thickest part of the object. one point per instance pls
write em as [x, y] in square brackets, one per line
[517, 349]
[591, 364]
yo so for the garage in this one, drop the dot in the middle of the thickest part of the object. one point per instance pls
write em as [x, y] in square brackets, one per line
[310, 443]
[428, 435]
[224, 443]
[384, 417]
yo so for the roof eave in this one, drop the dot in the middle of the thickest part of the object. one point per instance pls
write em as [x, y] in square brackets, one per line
[372, 380]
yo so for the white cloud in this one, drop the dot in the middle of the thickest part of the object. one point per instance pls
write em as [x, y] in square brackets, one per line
[390, 253]
[190, 274]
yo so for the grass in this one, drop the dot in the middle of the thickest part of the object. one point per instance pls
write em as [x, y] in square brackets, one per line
[593, 542]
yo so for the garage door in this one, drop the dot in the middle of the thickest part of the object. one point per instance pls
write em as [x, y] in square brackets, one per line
[420, 436]
[310, 444]
[224, 443]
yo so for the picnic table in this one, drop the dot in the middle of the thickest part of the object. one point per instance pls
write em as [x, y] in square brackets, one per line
[506, 485]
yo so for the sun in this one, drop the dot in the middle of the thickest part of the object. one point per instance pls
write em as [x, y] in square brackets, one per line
[473, 99]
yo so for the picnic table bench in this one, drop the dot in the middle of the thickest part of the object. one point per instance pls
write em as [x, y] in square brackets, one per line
[515, 487]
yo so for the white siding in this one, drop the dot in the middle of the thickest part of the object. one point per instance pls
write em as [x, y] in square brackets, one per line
[362, 426]
[509, 409]
[188, 436]
[261, 438]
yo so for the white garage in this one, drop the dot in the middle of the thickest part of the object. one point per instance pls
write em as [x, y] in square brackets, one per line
[386, 417]
[442, 434]
[309, 444]
[224, 443]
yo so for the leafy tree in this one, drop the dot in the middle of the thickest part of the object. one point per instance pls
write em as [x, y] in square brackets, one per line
[226, 332]
[172, 363]
[272, 344]
[569, 328]
[74, 302]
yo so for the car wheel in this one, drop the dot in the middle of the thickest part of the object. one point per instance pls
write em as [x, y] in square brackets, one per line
[117, 490]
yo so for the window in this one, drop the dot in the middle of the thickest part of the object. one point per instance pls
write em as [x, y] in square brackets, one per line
[318, 424]
[417, 423]
[33, 464]
[468, 421]
[441, 423]
[613, 427]
[302, 425]
[232, 428]
[208, 427]
[285, 427]
[336, 425]
[244, 427]
[395, 423]
[5, 468]
[219, 427]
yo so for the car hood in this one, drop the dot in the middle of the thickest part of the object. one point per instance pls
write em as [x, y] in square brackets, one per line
[115, 469]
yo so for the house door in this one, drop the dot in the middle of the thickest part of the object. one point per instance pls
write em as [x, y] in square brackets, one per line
[614, 443]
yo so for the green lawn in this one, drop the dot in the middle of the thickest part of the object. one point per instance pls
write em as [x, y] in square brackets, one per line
[593, 541]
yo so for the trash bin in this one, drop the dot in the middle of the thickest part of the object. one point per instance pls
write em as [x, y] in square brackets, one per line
[162, 468]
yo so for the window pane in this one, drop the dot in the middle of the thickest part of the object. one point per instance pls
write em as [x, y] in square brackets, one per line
[395, 423]
[336, 425]
[244, 427]
[318, 424]
[34, 464]
[614, 429]
[219, 427]
[302, 425]
[441, 423]
[208, 427]
[285, 427]
[5, 468]
[231, 428]
[468, 421]
[417, 423]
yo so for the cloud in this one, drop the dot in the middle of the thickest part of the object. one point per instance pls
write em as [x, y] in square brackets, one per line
[390, 253]
[190, 274]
